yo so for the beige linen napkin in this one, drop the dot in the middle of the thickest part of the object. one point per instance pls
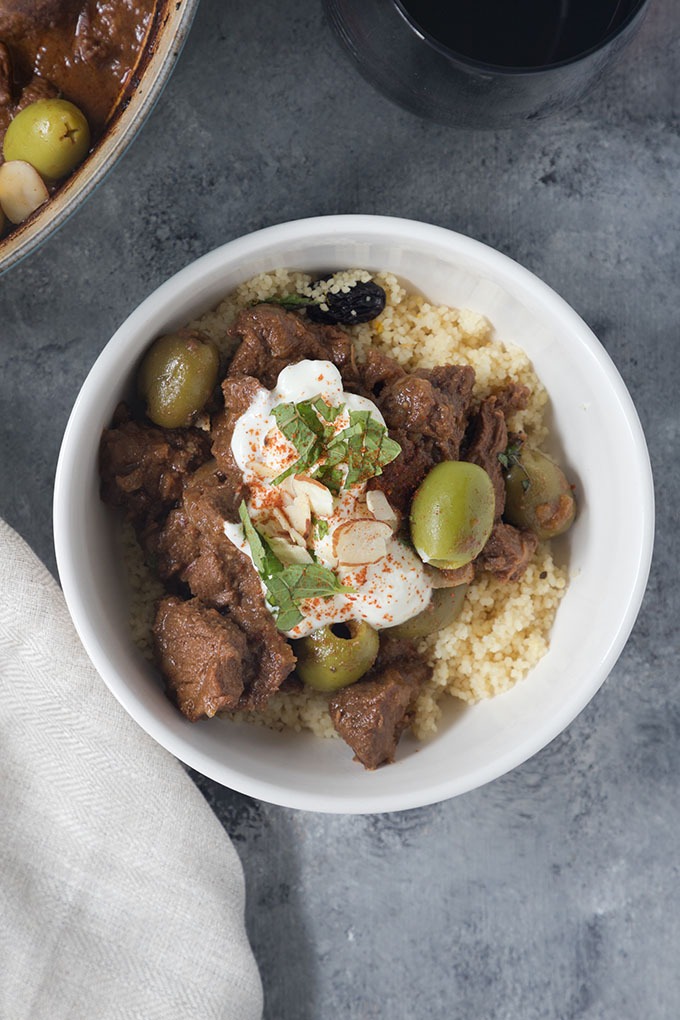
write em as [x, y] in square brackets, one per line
[120, 894]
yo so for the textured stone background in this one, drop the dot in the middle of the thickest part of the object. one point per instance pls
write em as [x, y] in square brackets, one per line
[554, 892]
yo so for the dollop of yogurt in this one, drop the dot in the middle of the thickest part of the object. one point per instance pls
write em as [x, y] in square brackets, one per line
[388, 591]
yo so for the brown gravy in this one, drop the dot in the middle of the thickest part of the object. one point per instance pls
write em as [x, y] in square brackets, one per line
[83, 50]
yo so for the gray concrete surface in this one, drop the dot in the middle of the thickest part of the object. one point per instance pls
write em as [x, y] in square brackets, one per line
[554, 892]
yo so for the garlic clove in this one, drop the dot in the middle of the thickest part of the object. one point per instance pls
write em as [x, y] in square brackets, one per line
[22, 190]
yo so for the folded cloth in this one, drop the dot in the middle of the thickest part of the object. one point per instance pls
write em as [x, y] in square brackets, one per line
[120, 893]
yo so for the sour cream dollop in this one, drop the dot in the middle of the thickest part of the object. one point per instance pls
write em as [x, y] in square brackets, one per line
[305, 522]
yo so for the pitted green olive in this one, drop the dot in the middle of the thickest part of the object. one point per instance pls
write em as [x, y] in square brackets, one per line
[538, 496]
[50, 134]
[452, 514]
[177, 377]
[445, 606]
[336, 656]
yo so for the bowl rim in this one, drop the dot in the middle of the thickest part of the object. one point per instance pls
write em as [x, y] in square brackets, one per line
[160, 58]
[523, 282]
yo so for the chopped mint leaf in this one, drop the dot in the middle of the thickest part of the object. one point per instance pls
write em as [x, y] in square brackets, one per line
[302, 426]
[364, 446]
[356, 453]
[266, 562]
[287, 587]
[321, 528]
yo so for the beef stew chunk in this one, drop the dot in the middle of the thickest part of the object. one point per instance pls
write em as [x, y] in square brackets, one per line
[487, 435]
[239, 392]
[508, 552]
[372, 714]
[143, 469]
[271, 338]
[192, 548]
[425, 412]
[201, 654]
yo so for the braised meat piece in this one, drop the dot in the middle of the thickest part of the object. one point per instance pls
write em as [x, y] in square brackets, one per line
[210, 497]
[201, 655]
[486, 437]
[6, 101]
[143, 469]
[372, 714]
[239, 393]
[425, 412]
[377, 371]
[192, 548]
[513, 397]
[508, 551]
[35, 89]
[272, 338]
[189, 544]
[173, 546]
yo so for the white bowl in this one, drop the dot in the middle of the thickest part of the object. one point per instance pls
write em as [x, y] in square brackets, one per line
[608, 550]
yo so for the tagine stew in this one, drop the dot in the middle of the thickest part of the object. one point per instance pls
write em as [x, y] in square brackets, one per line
[334, 529]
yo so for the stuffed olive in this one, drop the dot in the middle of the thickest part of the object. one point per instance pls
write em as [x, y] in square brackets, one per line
[538, 495]
[51, 134]
[177, 378]
[452, 514]
[444, 607]
[336, 656]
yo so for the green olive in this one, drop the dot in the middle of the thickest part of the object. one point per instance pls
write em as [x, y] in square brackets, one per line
[177, 377]
[538, 497]
[452, 514]
[336, 656]
[50, 134]
[445, 606]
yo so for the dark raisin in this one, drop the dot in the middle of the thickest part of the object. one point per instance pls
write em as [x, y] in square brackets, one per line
[363, 302]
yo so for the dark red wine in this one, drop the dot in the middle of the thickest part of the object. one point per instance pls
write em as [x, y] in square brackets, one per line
[519, 33]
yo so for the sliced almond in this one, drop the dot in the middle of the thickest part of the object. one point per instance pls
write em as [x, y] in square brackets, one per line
[287, 552]
[261, 470]
[379, 505]
[356, 543]
[285, 527]
[299, 513]
[22, 190]
[320, 498]
[287, 488]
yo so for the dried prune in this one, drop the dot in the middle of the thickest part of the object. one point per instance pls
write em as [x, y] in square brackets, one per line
[361, 303]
